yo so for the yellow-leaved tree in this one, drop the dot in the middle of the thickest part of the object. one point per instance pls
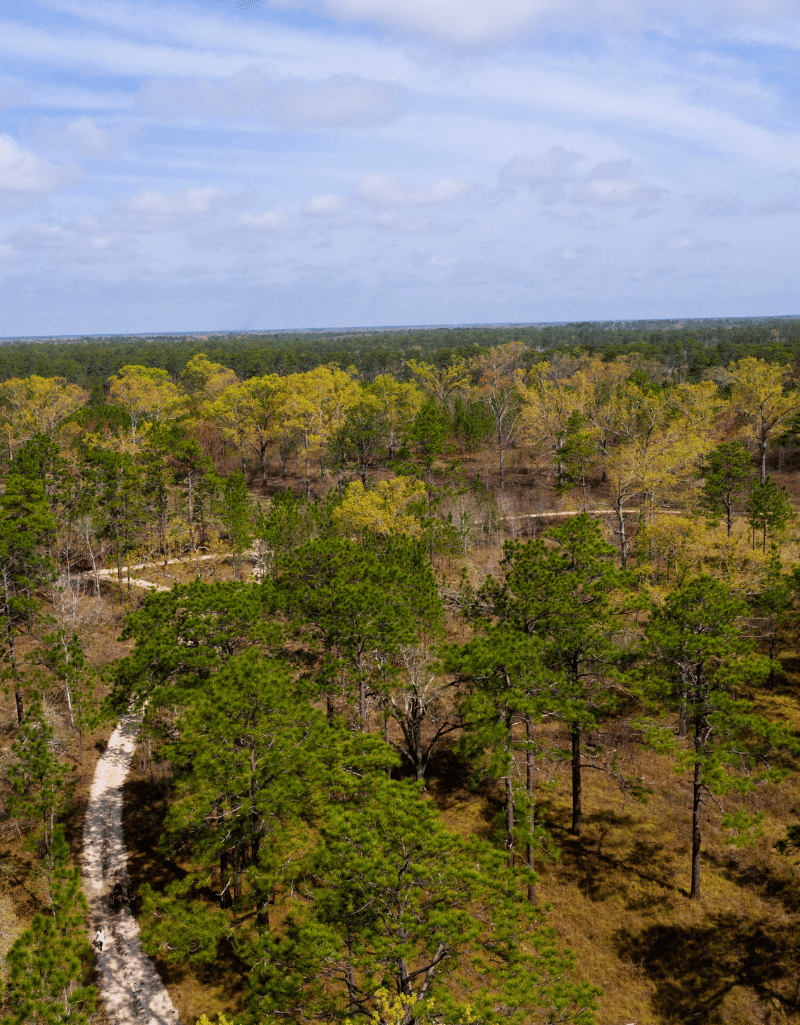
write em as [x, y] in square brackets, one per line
[549, 409]
[384, 510]
[203, 380]
[760, 395]
[36, 405]
[656, 452]
[399, 401]
[247, 414]
[442, 382]
[314, 406]
[147, 395]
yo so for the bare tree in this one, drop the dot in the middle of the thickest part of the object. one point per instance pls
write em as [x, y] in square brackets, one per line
[419, 708]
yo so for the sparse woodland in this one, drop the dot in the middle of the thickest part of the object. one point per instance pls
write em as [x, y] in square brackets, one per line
[470, 685]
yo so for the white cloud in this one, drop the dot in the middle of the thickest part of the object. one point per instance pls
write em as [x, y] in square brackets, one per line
[150, 210]
[84, 137]
[189, 201]
[405, 222]
[482, 22]
[270, 220]
[547, 173]
[324, 206]
[23, 175]
[337, 102]
[243, 93]
[612, 184]
[384, 190]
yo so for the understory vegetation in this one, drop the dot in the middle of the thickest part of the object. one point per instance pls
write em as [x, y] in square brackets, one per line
[467, 676]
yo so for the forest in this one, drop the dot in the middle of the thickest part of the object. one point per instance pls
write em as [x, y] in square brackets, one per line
[463, 666]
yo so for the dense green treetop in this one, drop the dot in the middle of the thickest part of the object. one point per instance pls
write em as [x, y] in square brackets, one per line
[690, 347]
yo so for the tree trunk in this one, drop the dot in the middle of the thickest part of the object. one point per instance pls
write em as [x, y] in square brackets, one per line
[12, 655]
[577, 810]
[623, 543]
[352, 990]
[362, 702]
[762, 444]
[530, 780]
[190, 500]
[510, 815]
[225, 893]
[697, 811]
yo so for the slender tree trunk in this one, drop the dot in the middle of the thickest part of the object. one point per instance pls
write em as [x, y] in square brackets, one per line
[510, 814]
[419, 761]
[623, 541]
[225, 900]
[502, 462]
[190, 500]
[762, 444]
[577, 785]
[68, 695]
[697, 836]
[12, 654]
[352, 989]
[362, 702]
[531, 783]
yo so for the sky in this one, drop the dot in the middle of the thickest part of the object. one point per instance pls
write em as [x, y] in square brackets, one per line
[196, 165]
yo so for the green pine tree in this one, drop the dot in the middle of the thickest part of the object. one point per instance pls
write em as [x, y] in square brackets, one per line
[700, 662]
[49, 963]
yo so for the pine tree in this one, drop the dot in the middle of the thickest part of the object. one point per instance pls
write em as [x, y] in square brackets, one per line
[48, 964]
[700, 661]
[26, 528]
[40, 783]
[392, 902]
[769, 509]
[570, 596]
[726, 474]
[237, 512]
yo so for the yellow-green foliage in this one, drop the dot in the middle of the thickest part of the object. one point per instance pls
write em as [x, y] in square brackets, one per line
[391, 1010]
[383, 510]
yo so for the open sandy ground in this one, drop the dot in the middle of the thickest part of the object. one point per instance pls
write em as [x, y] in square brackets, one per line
[131, 989]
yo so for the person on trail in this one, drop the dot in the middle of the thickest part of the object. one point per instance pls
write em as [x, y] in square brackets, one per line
[100, 938]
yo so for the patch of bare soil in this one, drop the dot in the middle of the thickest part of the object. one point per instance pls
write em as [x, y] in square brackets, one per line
[130, 987]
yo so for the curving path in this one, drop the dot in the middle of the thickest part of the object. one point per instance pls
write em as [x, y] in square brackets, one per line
[131, 989]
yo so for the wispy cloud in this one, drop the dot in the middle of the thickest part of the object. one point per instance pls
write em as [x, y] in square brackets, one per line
[25, 176]
[448, 160]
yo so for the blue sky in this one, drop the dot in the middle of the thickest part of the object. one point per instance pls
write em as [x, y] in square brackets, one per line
[217, 165]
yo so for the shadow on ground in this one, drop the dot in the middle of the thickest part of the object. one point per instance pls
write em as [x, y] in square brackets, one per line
[694, 968]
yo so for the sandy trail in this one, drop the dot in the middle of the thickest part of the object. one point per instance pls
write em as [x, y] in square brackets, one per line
[131, 989]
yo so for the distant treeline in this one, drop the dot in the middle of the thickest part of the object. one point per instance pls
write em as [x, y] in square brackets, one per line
[690, 347]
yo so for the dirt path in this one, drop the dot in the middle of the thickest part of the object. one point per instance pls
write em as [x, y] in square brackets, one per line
[130, 987]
